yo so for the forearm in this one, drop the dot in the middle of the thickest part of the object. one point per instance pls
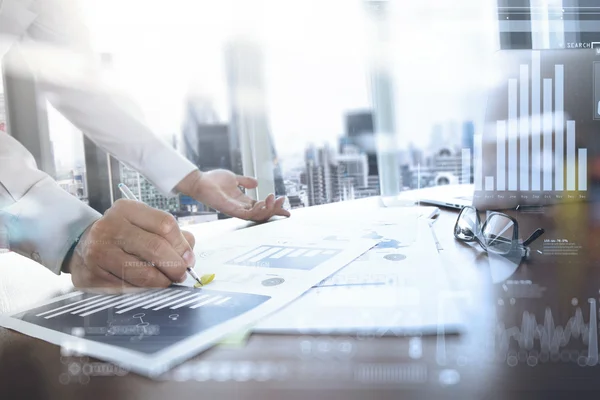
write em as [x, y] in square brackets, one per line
[42, 220]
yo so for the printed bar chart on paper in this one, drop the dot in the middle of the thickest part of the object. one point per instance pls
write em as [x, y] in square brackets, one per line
[287, 257]
[145, 321]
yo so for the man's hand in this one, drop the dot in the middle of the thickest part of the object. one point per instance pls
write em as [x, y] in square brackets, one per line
[132, 245]
[220, 189]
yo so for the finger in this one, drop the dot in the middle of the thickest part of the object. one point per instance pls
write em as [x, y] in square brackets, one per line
[239, 210]
[265, 212]
[279, 210]
[190, 238]
[133, 271]
[282, 212]
[280, 201]
[160, 223]
[270, 201]
[246, 181]
[155, 249]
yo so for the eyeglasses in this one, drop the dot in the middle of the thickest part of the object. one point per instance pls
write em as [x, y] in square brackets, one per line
[499, 233]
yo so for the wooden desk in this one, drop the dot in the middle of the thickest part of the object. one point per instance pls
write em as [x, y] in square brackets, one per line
[482, 363]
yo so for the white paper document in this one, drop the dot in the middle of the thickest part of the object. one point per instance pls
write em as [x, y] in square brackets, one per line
[398, 287]
[151, 331]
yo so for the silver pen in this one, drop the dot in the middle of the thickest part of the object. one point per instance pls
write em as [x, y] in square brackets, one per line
[129, 195]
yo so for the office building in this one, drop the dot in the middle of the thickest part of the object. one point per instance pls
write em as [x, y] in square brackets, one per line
[146, 191]
[315, 183]
[206, 142]
[331, 178]
[212, 147]
[354, 165]
[295, 201]
[314, 178]
[359, 131]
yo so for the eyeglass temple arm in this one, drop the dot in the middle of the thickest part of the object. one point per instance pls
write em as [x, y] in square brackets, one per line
[536, 234]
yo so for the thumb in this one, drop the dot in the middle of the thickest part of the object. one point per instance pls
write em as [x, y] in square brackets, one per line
[247, 182]
[190, 238]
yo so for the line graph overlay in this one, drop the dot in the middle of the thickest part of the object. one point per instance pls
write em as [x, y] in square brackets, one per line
[550, 337]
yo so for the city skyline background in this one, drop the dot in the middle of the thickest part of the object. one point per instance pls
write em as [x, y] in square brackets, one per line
[315, 70]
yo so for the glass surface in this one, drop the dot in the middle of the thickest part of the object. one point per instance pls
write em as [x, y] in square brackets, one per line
[369, 88]
[467, 224]
[498, 234]
[69, 156]
[319, 104]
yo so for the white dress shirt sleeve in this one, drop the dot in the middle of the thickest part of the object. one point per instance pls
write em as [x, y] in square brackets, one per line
[41, 219]
[67, 71]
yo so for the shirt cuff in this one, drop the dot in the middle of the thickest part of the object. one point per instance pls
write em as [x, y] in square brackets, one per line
[45, 222]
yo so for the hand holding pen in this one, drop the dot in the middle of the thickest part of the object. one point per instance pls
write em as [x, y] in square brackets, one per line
[131, 245]
[200, 282]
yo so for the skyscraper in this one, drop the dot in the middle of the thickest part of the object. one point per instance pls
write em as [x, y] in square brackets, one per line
[211, 149]
[206, 142]
[326, 178]
[360, 132]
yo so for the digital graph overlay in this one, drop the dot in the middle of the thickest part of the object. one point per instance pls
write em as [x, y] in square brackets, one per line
[597, 88]
[535, 146]
[547, 339]
[147, 321]
[287, 257]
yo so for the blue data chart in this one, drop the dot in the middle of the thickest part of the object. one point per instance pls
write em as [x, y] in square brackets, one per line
[303, 258]
[147, 321]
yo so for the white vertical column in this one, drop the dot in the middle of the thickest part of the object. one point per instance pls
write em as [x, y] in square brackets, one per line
[489, 183]
[383, 97]
[524, 127]
[512, 134]
[582, 170]
[570, 155]
[478, 162]
[501, 155]
[547, 122]
[466, 166]
[535, 121]
[559, 152]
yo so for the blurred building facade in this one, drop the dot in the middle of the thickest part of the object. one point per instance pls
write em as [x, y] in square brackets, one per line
[244, 62]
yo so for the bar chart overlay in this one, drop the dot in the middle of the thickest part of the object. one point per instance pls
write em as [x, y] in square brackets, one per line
[535, 142]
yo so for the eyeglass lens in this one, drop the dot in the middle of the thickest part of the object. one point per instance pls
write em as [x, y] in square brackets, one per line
[498, 233]
[466, 227]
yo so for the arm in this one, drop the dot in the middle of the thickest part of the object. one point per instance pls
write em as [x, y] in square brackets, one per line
[58, 49]
[58, 41]
[43, 221]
